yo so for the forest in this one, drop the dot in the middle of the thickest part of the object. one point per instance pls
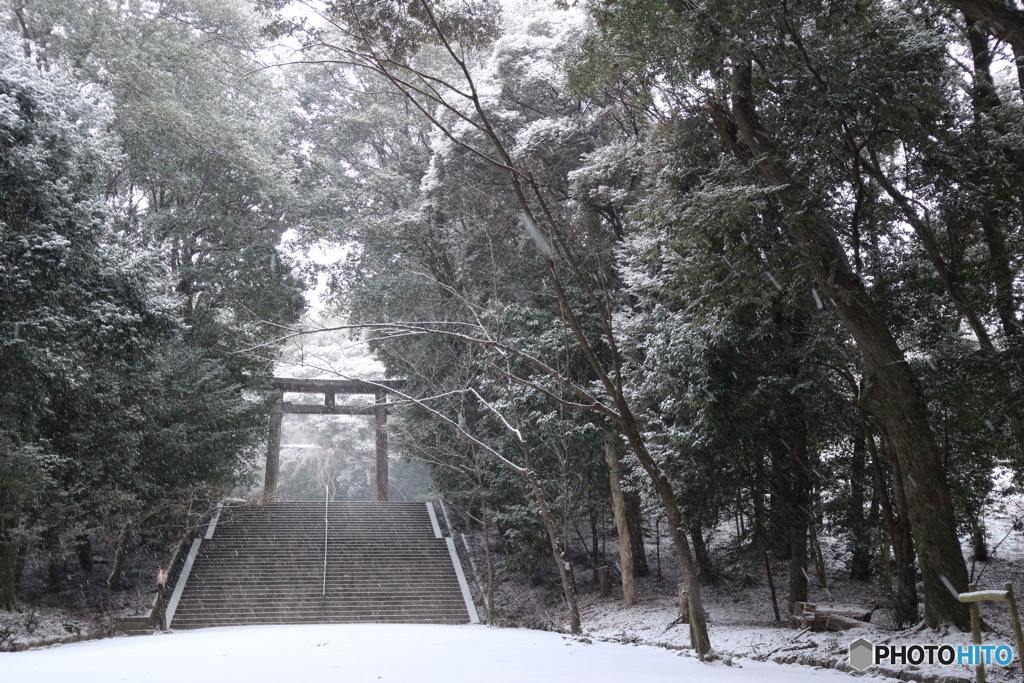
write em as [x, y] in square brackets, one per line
[693, 261]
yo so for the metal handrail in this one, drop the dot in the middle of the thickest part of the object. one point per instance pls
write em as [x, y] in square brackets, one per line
[323, 589]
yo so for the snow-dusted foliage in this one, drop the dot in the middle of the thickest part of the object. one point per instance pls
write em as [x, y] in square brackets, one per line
[143, 199]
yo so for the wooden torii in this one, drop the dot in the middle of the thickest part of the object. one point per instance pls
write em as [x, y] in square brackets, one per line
[330, 388]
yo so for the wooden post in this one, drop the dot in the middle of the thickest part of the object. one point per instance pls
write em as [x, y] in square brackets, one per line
[380, 416]
[976, 634]
[1015, 622]
[329, 399]
[161, 606]
[273, 450]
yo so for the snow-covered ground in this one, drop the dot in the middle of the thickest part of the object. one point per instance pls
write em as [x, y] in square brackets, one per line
[377, 652]
[742, 624]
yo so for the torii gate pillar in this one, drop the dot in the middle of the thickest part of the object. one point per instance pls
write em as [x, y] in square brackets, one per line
[329, 388]
[380, 420]
[273, 450]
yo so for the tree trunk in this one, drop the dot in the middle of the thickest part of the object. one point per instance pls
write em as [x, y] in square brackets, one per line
[860, 528]
[984, 96]
[568, 590]
[779, 508]
[904, 550]
[115, 556]
[893, 394]
[54, 558]
[83, 548]
[1002, 278]
[485, 523]
[700, 641]
[657, 543]
[950, 281]
[487, 557]
[800, 503]
[635, 521]
[621, 525]
[1004, 22]
[761, 529]
[705, 567]
[819, 558]
[8, 565]
[800, 509]
[905, 607]
[978, 542]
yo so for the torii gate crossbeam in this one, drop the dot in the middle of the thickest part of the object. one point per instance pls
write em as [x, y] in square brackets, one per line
[329, 388]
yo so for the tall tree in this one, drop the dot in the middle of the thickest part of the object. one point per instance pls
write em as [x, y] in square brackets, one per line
[758, 90]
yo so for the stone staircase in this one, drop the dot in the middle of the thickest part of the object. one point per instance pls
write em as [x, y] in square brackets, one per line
[264, 564]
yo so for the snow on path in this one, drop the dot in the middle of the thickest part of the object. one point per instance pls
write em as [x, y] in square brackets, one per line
[349, 653]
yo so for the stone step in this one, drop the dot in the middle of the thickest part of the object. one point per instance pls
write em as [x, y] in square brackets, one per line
[317, 619]
[265, 564]
[329, 607]
[354, 610]
[216, 611]
[284, 583]
[242, 568]
[333, 591]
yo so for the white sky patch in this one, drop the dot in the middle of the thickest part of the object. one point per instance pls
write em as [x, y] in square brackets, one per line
[322, 254]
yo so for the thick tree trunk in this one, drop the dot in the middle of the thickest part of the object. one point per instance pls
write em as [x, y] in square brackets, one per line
[905, 603]
[619, 508]
[904, 550]
[635, 520]
[1003, 21]
[893, 395]
[984, 96]
[800, 501]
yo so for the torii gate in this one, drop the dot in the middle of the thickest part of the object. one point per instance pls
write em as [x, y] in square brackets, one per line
[329, 388]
